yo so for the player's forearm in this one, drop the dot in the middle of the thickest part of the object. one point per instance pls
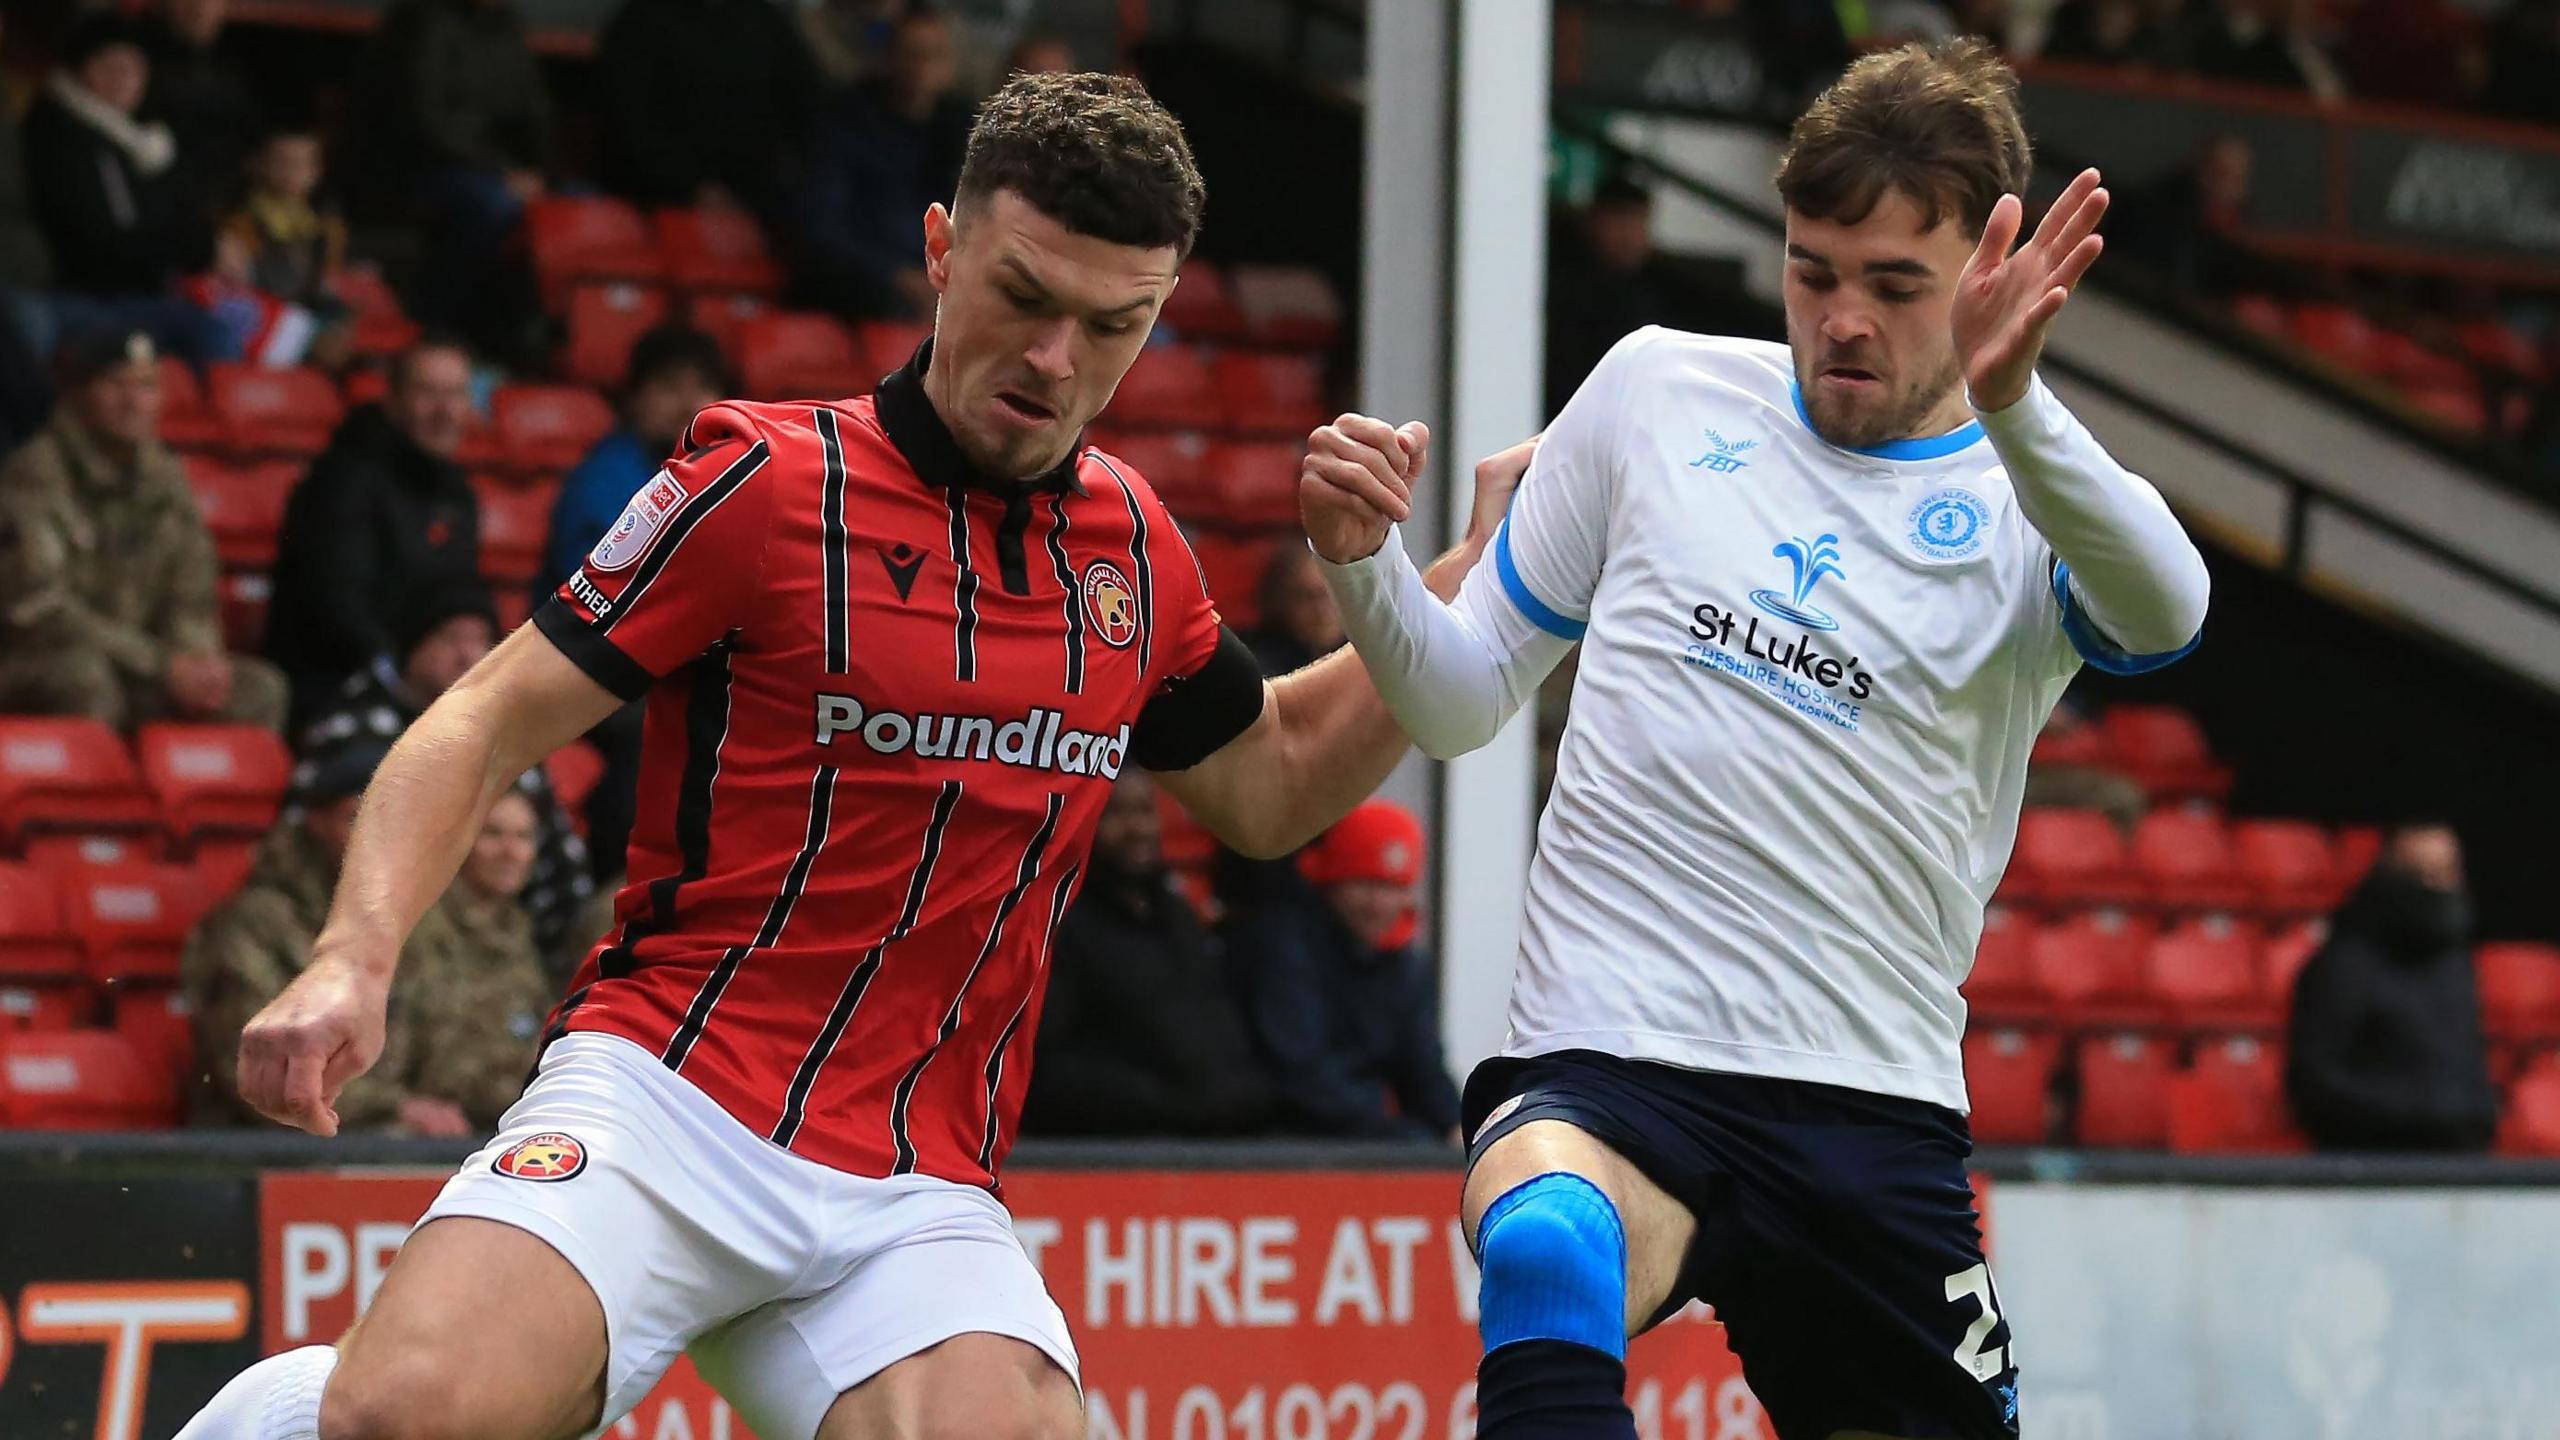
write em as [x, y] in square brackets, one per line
[1452, 673]
[2132, 565]
[418, 821]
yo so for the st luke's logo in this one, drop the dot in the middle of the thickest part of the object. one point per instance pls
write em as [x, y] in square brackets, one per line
[1811, 561]
[1110, 604]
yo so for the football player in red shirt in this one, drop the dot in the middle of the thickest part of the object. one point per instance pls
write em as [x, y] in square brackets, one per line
[894, 649]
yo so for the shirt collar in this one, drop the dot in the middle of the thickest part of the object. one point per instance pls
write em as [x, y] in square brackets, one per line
[1925, 447]
[916, 428]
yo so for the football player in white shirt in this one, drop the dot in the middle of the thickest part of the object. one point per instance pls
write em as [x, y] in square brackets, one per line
[1827, 593]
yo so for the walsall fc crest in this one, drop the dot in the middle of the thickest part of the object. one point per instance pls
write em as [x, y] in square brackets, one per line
[1110, 605]
[546, 1157]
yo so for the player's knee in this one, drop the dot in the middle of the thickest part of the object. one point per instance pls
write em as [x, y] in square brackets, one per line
[1554, 1260]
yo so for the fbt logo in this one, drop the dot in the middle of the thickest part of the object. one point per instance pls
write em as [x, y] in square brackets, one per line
[129, 1318]
[1040, 740]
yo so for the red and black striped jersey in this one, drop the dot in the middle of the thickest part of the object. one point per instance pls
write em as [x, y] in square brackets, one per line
[887, 698]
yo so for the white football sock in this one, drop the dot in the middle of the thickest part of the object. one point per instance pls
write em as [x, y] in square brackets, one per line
[276, 1399]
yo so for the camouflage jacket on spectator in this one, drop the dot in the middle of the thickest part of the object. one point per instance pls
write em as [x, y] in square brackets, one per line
[103, 558]
[247, 950]
[477, 996]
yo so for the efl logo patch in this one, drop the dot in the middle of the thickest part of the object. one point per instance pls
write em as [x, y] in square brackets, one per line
[629, 538]
[1950, 523]
[545, 1157]
[1500, 1113]
[1110, 604]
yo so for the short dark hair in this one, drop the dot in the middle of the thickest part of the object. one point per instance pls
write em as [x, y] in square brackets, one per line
[1937, 122]
[1093, 152]
[667, 349]
[407, 360]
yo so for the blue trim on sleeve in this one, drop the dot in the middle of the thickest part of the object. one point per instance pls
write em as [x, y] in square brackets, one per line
[1539, 612]
[1927, 447]
[2094, 647]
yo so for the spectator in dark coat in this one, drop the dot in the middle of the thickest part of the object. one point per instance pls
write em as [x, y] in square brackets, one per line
[1345, 1006]
[1141, 1034]
[675, 371]
[201, 96]
[1299, 622]
[1603, 281]
[441, 634]
[384, 514]
[703, 102]
[2387, 1051]
[882, 155]
[104, 184]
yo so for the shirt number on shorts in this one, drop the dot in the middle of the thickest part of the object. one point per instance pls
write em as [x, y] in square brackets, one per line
[1980, 1363]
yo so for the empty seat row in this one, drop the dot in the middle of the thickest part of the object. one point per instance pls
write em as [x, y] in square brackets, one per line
[68, 774]
[120, 1079]
[2110, 969]
[2183, 860]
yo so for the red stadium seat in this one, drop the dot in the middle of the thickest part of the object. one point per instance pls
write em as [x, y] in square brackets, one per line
[2414, 365]
[887, 345]
[2519, 989]
[515, 525]
[2206, 973]
[2001, 988]
[381, 328]
[2089, 971]
[1169, 388]
[65, 773]
[71, 849]
[2082, 744]
[799, 355]
[2070, 857]
[605, 320]
[2529, 1123]
[132, 919]
[722, 316]
[1267, 394]
[548, 428]
[716, 251]
[2231, 1100]
[187, 421]
[2164, 748]
[1203, 306]
[2357, 847]
[36, 942]
[275, 411]
[1233, 566]
[588, 237]
[47, 1005]
[155, 1019]
[370, 385]
[2284, 952]
[82, 1080]
[2289, 864]
[2263, 313]
[574, 769]
[2185, 860]
[2455, 404]
[1176, 464]
[2008, 1073]
[243, 595]
[2502, 348]
[243, 505]
[1256, 483]
[215, 779]
[2124, 1091]
[2340, 335]
[1286, 304]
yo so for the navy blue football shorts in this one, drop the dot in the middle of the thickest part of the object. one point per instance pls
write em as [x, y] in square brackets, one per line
[1836, 1239]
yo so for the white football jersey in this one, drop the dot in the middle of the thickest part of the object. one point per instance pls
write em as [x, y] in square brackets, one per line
[1809, 681]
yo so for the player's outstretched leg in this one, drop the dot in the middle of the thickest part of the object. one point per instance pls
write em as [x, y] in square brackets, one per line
[1577, 1250]
[480, 1332]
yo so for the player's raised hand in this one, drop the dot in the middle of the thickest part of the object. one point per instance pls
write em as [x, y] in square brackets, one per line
[2006, 303]
[1357, 479]
[1498, 477]
[303, 1048]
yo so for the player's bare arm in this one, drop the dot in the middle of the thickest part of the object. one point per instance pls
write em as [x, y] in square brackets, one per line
[428, 800]
[1326, 739]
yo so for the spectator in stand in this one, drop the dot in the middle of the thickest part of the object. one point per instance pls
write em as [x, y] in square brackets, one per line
[849, 39]
[383, 515]
[1603, 281]
[24, 265]
[882, 154]
[455, 120]
[1299, 622]
[201, 96]
[2261, 42]
[107, 572]
[252, 945]
[2118, 32]
[1345, 1006]
[674, 372]
[703, 102]
[1142, 1034]
[440, 635]
[477, 989]
[2524, 58]
[296, 244]
[2386, 1051]
[105, 188]
[1038, 54]
[2187, 228]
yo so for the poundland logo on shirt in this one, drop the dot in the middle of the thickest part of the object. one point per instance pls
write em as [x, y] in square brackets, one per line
[1037, 741]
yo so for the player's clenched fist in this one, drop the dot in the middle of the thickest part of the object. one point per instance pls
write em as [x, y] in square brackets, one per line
[1356, 481]
[300, 1051]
